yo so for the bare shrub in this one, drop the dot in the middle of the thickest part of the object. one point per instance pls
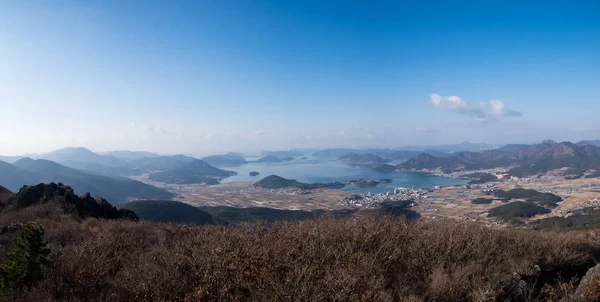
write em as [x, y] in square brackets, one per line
[365, 258]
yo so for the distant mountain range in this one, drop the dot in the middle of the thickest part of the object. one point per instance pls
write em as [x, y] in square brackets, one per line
[27, 171]
[10, 159]
[411, 151]
[403, 154]
[526, 160]
[592, 142]
[464, 146]
[512, 147]
[116, 163]
[125, 154]
[103, 174]
[337, 152]
[197, 171]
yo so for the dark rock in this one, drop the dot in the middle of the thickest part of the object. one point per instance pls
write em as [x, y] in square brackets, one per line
[84, 206]
[128, 214]
[41, 193]
[11, 228]
[591, 278]
[511, 286]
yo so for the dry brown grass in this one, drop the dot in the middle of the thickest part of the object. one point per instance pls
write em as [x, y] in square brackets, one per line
[358, 259]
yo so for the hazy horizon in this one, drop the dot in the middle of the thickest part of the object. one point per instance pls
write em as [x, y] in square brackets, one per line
[260, 151]
[217, 76]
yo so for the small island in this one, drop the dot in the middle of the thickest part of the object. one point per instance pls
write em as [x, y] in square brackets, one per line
[194, 172]
[254, 173]
[278, 182]
[225, 160]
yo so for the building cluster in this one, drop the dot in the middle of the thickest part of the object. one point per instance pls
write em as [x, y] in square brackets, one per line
[369, 200]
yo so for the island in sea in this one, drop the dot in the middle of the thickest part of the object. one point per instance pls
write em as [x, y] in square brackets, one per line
[363, 160]
[278, 182]
[225, 160]
[197, 171]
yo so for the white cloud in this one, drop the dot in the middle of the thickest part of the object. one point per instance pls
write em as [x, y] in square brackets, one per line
[499, 109]
[483, 113]
[456, 104]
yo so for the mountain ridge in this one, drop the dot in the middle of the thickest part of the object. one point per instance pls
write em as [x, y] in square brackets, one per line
[28, 171]
[540, 158]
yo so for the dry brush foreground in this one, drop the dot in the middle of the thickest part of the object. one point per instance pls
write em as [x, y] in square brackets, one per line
[365, 258]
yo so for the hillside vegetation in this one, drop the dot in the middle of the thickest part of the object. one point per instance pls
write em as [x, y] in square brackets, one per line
[169, 211]
[481, 200]
[366, 258]
[353, 256]
[533, 196]
[174, 211]
[517, 209]
[589, 218]
[481, 178]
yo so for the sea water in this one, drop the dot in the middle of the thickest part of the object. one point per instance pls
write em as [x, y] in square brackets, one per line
[322, 170]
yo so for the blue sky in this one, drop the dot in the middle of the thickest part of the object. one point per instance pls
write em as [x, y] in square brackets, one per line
[201, 77]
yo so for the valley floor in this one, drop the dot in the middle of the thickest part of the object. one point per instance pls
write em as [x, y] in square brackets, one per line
[244, 194]
[447, 202]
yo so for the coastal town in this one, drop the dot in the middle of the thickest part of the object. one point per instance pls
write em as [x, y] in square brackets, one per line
[456, 201]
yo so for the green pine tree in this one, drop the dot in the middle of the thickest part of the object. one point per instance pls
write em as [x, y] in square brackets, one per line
[24, 266]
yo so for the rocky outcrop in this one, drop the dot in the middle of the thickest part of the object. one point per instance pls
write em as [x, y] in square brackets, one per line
[590, 282]
[83, 207]
[5, 196]
[11, 228]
